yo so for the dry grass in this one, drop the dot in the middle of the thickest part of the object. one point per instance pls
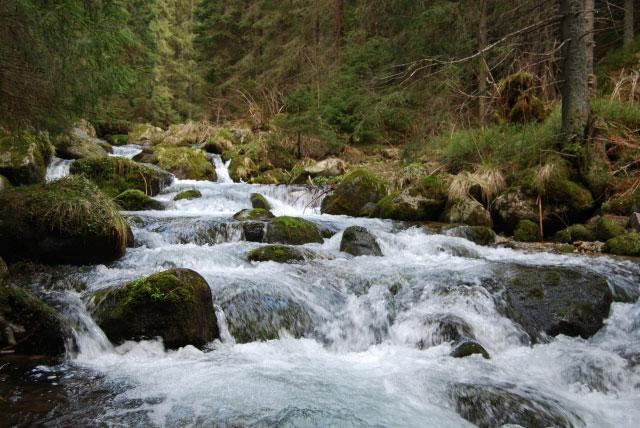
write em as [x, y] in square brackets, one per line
[490, 181]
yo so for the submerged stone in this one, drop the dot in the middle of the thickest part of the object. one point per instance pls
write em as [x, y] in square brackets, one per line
[188, 194]
[358, 241]
[175, 304]
[467, 348]
[259, 201]
[279, 254]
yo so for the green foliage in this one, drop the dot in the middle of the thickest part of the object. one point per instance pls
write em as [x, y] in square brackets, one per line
[624, 245]
[624, 113]
[526, 231]
[615, 60]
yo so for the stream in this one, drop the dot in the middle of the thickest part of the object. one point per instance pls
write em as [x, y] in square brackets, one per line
[352, 359]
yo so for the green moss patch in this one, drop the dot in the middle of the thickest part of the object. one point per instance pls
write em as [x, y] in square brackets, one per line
[24, 156]
[352, 195]
[279, 254]
[573, 233]
[185, 162]
[259, 201]
[135, 200]
[255, 214]
[293, 231]
[527, 231]
[188, 194]
[624, 245]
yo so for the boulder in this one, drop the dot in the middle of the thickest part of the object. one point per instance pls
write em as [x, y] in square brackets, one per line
[633, 222]
[623, 204]
[255, 214]
[624, 245]
[254, 316]
[444, 328]
[490, 406]
[331, 167]
[353, 193]
[423, 201]
[547, 301]
[279, 254]
[466, 348]
[259, 201]
[292, 231]
[104, 128]
[68, 221]
[147, 155]
[188, 194]
[527, 231]
[135, 200]
[24, 157]
[114, 175]
[79, 144]
[185, 163]
[254, 231]
[217, 145]
[574, 233]
[511, 207]
[145, 133]
[28, 325]
[175, 305]
[271, 176]
[358, 241]
[480, 235]
[467, 211]
[609, 226]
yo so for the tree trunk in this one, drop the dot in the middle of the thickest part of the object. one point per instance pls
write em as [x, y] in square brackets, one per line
[482, 68]
[338, 29]
[575, 85]
[628, 22]
[590, 13]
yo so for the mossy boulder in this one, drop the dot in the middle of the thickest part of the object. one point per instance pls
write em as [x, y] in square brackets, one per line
[512, 206]
[68, 221]
[573, 233]
[257, 316]
[185, 163]
[622, 204]
[259, 201]
[358, 241]
[105, 128]
[466, 211]
[188, 194]
[331, 167]
[242, 168]
[527, 231]
[118, 139]
[175, 305]
[354, 192]
[114, 175]
[624, 245]
[548, 301]
[145, 133]
[135, 200]
[279, 254]
[255, 214]
[480, 235]
[24, 156]
[608, 227]
[28, 325]
[78, 144]
[410, 205]
[271, 176]
[217, 145]
[466, 348]
[292, 231]
[488, 406]
[573, 201]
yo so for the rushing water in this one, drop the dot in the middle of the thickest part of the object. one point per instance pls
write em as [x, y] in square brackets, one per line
[358, 363]
[126, 151]
[57, 169]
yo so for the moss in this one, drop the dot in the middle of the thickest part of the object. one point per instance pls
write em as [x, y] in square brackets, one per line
[188, 194]
[278, 254]
[623, 204]
[24, 156]
[175, 304]
[114, 175]
[185, 163]
[526, 231]
[608, 227]
[118, 139]
[42, 330]
[480, 235]
[259, 201]
[255, 214]
[564, 191]
[105, 128]
[573, 233]
[293, 231]
[467, 211]
[567, 248]
[355, 191]
[272, 176]
[468, 348]
[142, 131]
[242, 168]
[66, 221]
[135, 200]
[624, 245]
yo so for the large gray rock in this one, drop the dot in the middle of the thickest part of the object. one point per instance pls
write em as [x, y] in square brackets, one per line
[358, 241]
[467, 211]
[547, 301]
[24, 157]
[80, 143]
[331, 167]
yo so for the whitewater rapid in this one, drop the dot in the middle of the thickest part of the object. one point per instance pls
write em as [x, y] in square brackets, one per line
[357, 363]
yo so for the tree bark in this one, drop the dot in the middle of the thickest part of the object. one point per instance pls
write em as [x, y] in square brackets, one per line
[575, 85]
[338, 29]
[482, 68]
[590, 13]
[628, 22]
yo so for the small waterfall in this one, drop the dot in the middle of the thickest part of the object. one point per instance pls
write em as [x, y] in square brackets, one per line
[126, 151]
[58, 168]
[222, 169]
